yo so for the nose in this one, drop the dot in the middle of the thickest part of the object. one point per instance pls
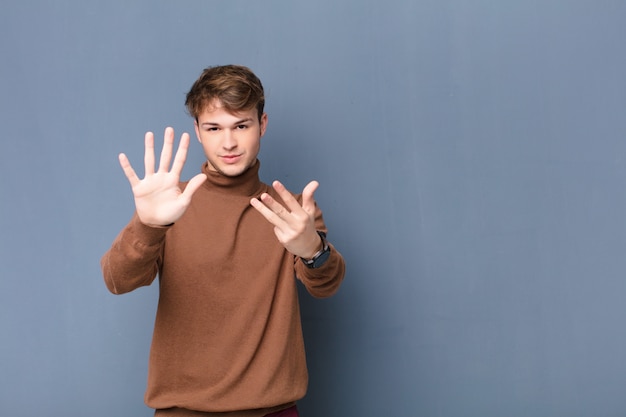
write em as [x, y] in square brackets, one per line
[229, 141]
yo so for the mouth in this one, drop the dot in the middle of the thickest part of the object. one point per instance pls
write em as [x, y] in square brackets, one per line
[230, 159]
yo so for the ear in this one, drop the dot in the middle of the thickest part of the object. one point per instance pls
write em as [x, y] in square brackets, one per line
[263, 123]
[197, 128]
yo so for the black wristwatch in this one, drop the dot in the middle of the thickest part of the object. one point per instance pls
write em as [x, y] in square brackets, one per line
[321, 256]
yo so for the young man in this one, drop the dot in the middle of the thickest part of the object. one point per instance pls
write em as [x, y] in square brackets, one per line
[227, 339]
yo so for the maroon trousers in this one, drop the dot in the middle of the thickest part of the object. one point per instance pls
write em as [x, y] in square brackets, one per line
[288, 412]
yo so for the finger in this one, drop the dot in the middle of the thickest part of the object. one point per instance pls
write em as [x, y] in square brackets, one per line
[308, 200]
[166, 152]
[128, 170]
[280, 210]
[266, 212]
[148, 157]
[193, 185]
[181, 154]
[290, 201]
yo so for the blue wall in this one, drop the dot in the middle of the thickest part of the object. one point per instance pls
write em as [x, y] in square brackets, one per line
[472, 161]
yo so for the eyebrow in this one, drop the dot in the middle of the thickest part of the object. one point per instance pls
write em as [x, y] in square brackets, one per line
[237, 123]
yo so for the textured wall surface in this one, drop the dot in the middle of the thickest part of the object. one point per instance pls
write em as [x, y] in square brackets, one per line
[472, 161]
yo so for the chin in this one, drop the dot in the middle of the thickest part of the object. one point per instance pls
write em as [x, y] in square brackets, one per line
[232, 171]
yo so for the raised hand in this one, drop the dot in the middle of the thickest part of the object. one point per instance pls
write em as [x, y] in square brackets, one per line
[159, 200]
[294, 224]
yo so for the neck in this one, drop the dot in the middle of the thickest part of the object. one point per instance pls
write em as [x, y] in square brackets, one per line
[245, 184]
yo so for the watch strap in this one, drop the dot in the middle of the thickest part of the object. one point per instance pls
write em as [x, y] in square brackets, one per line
[321, 256]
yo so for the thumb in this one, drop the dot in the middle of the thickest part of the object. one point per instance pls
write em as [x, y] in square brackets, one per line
[193, 185]
[308, 202]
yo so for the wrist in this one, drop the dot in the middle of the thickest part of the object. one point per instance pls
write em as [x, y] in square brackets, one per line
[320, 257]
[157, 226]
[319, 245]
[153, 222]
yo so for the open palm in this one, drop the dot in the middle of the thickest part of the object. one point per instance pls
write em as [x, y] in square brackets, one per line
[159, 201]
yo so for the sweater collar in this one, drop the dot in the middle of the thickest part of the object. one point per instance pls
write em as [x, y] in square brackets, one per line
[246, 184]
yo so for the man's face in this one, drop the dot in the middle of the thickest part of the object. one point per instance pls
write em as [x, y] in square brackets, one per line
[231, 141]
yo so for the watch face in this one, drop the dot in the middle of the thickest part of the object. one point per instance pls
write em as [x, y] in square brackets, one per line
[321, 259]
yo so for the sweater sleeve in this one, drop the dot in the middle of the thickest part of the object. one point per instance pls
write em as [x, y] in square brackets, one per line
[324, 281]
[134, 258]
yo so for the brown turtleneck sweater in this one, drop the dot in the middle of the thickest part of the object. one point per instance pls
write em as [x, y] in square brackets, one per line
[227, 336]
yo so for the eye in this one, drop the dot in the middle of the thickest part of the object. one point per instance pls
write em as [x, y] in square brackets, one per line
[211, 129]
[242, 127]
